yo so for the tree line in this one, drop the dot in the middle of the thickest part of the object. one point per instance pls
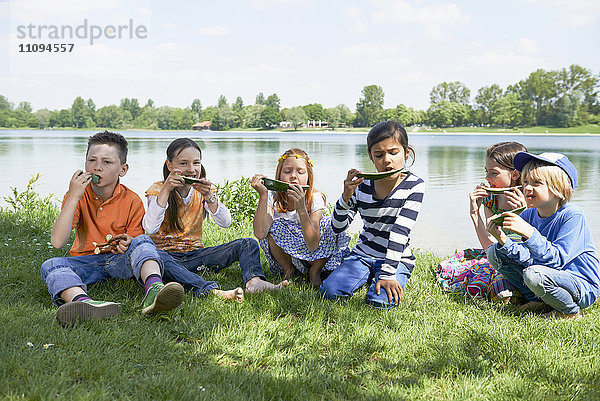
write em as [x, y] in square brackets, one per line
[560, 98]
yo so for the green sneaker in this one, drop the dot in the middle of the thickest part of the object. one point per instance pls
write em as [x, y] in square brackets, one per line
[162, 298]
[79, 311]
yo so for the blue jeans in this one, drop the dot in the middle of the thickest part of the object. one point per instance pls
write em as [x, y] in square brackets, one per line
[80, 271]
[182, 266]
[354, 272]
[557, 288]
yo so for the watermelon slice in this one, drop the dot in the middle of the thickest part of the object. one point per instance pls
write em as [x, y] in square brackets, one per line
[378, 175]
[499, 219]
[278, 186]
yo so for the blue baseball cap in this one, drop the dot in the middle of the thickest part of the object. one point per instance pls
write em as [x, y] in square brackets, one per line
[555, 159]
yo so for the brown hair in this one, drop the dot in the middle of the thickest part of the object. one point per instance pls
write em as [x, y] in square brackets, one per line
[110, 138]
[173, 150]
[281, 201]
[389, 129]
[503, 153]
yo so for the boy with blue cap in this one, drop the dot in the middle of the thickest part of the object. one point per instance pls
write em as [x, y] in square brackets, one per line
[556, 265]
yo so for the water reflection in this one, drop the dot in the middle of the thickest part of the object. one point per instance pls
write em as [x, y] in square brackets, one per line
[451, 166]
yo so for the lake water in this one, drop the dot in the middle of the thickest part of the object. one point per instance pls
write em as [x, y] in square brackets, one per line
[451, 165]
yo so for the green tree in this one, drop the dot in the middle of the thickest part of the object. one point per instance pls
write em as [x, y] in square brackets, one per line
[110, 117]
[149, 103]
[251, 115]
[260, 99]
[568, 110]
[485, 99]
[273, 102]
[238, 105]
[389, 114]
[447, 113]
[65, 118]
[346, 116]
[579, 79]
[211, 113]
[147, 119]
[164, 117]
[295, 115]
[22, 117]
[314, 111]
[132, 106]
[455, 92]
[539, 89]
[334, 117]
[42, 116]
[369, 109]
[182, 119]
[4, 103]
[25, 106]
[80, 112]
[196, 108]
[91, 113]
[222, 101]
[269, 117]
[226, 119]
[507, 110]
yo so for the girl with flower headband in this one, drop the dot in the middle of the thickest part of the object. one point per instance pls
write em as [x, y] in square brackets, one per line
[290, 225]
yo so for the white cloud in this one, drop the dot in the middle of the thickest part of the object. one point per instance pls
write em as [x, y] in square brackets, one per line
[432, 18]
[171, 26]
[574, 13]
[378, 57]
[507, 63]
[24, 10]
[271, 3]
[171, 51]
[357, 25]
[281, 51]
[214, 30]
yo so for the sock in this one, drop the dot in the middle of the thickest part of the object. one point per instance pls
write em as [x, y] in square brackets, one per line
[81, 297]
[151, 279]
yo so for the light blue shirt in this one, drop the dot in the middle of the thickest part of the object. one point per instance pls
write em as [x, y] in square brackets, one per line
[561, 241]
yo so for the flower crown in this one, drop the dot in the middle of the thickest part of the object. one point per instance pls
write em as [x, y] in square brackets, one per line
[297, 156]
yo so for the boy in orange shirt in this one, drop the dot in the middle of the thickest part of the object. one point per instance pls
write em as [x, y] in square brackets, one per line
[97, 204]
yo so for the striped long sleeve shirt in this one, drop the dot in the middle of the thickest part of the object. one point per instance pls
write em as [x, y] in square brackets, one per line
[387, 224]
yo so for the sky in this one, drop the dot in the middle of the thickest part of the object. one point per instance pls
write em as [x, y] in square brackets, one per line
[305, 51]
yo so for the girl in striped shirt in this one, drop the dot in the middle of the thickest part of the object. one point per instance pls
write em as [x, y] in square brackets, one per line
[389, 208]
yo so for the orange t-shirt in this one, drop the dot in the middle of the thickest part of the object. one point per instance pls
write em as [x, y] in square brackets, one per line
[191, 217]
[94, 219]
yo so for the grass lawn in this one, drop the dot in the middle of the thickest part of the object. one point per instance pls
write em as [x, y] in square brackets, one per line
[289, 344]
[582, 129]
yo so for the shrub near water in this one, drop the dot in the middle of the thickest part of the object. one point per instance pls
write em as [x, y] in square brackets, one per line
[285, 345]
[240, 198]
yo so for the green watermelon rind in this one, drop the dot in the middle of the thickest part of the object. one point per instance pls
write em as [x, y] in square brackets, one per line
[191, 180]
[498, 190]
[378, 175]
[499, 219]
[278, 186]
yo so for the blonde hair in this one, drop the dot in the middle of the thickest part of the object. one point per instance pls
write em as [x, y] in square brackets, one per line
[281, 201]
[556, 179]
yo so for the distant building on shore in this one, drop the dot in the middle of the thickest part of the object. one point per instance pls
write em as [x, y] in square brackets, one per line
[202, 125]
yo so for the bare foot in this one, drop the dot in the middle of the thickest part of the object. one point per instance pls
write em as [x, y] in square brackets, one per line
[556, 315]
[231, 295]
[315, 278]
[288, 272]
[257, 284]
[532, 306]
